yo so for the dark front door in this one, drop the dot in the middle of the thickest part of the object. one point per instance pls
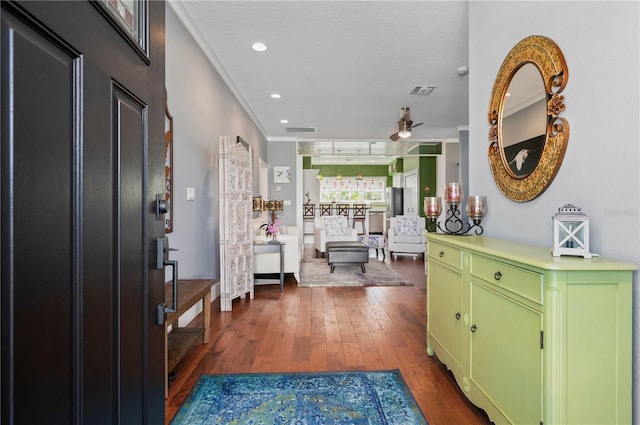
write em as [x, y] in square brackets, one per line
[82, 131]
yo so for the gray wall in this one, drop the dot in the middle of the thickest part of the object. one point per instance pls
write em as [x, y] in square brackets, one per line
[283, 153]
[601, 45]
[203, 109]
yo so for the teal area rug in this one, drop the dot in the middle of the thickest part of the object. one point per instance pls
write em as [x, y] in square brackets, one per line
[373, 398]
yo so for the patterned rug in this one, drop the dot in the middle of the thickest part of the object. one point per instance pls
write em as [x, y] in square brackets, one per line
[315, 273]
[372, 398]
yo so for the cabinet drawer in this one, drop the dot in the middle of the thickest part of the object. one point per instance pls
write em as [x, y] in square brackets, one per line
[446, 254]
[519, 281]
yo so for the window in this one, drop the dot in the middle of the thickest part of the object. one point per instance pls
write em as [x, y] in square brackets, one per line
[350, 190]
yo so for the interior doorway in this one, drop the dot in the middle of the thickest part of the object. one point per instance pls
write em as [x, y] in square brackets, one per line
[410, 200]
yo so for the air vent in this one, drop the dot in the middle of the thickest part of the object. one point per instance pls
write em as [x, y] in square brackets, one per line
[422, 90]
[301, 130]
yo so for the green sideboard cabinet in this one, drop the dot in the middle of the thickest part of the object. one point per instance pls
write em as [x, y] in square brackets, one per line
[531, 338]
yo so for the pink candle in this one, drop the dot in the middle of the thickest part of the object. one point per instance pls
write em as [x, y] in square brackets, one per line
[453, 193]
[476, 206]
[432, 206]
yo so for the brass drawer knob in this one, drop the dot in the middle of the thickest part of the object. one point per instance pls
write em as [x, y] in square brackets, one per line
[497, 275]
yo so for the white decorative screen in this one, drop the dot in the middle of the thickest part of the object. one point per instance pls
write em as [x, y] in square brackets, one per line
[236, 209]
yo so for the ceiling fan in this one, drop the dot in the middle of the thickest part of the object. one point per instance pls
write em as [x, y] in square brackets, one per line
[404, 125]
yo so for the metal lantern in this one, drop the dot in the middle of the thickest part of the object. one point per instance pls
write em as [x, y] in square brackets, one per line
[571, 232]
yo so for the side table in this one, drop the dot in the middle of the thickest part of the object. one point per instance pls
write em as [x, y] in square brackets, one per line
[260, 247]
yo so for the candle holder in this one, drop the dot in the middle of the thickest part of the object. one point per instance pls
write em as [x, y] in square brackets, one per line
[476, 209]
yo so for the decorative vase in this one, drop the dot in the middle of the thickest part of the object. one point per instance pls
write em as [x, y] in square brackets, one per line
[273, 238]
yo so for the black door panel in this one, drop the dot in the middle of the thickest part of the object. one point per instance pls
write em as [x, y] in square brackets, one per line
[82, 157]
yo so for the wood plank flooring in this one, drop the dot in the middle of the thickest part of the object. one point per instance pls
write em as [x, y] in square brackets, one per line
[330, 329]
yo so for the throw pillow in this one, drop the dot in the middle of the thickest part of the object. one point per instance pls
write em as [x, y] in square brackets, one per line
[407, 226]
[334, 226]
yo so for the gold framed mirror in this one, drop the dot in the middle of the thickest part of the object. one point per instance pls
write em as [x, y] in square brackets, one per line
[527, 136]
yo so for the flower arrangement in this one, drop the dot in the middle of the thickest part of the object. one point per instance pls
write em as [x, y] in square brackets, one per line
[271, 229]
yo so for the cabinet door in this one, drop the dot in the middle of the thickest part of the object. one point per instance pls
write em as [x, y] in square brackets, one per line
[506, 357]
[444, 310]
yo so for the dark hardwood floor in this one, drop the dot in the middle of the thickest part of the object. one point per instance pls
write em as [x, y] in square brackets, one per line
[330, 329]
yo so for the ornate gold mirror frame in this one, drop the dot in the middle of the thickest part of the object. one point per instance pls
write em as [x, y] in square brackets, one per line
[545, 55]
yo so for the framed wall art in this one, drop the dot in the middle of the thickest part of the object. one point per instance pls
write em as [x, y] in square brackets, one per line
[282, 174]
[131, 19]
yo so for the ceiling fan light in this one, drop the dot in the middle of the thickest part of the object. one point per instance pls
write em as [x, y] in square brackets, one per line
[319, 177]
[404, 129]
[339, 176]
[359, 177]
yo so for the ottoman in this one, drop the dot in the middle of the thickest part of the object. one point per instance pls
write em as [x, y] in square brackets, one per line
[374, 241]
[350, 252]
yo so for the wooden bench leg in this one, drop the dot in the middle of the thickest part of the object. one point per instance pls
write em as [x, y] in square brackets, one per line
[206, 316]
[363, 269]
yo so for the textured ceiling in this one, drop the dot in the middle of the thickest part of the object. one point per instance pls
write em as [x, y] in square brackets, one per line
[344, 68]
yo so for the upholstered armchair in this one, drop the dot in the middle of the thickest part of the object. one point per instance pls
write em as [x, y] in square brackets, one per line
[406, 235]
[331, 228]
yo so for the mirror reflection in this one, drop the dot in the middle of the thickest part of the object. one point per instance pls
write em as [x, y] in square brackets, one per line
[524, 121]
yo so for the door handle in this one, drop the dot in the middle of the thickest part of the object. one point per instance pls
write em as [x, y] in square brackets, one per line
[162, 260]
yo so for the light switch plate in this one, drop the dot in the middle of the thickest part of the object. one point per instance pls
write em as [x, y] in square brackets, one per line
[191, 194]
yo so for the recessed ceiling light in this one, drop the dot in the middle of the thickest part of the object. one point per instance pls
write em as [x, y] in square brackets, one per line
[275, 96]
[259, 47]
[284, 121]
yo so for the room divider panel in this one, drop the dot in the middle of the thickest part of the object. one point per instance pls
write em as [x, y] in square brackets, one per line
[236, 209]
